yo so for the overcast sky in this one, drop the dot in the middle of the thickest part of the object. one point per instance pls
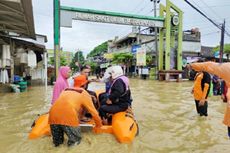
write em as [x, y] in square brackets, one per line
[86, 35]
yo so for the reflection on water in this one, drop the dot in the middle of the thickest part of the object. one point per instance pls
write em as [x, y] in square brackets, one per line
[165, 113]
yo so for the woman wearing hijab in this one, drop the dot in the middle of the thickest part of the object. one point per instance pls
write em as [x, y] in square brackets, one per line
[61, 83]
[119, 98]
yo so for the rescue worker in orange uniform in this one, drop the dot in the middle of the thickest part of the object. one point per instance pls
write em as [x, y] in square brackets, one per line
[222, 70]
[64, 114]
[200, 92]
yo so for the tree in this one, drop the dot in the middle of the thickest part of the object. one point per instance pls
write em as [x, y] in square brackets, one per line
[226, 48]
[149, 59]
[78, 57]
[63, 61]
[92, 65]
[100, 49]
[123, 58]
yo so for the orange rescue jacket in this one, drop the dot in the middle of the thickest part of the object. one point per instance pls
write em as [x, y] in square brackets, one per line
[66, 108]
[221, 70]
[200, 93]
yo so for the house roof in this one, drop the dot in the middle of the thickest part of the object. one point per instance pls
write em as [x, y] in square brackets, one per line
[18, 42]
[125, 38]
[17, 16]
[206, 51]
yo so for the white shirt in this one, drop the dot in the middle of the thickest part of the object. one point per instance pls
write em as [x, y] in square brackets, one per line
[32, 59]
[24, 58]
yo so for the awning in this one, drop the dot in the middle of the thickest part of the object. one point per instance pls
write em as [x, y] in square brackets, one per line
[131, 35]
[34, 46]
[26, 43]
[17, 16]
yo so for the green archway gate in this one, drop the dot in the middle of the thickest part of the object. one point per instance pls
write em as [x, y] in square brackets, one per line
[169, 23]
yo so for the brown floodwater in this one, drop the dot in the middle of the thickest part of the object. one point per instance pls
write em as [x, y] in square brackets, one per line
[165, 112]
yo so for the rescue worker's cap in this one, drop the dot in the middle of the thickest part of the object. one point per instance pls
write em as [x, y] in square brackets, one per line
[80, 81]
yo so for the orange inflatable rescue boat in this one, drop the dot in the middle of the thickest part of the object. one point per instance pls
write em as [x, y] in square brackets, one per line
[123, 127]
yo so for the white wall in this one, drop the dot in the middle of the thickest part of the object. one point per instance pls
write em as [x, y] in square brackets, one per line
[191, 46]
[186, 47]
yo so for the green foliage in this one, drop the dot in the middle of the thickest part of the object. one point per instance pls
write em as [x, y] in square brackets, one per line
[78, 57]
[149, 59]
[100, 49]
[92, 65]
[122, 58]
[51, 62]
[63, 61]
[226, 48]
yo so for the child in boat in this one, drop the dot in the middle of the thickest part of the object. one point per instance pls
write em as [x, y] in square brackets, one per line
[64, 113]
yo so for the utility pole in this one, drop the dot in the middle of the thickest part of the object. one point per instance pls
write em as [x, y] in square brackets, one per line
[138, 35]
[222, 28]
[56, 12]
[78, 56]
[138, 43]
[156, 38]
[78, 59]
[222, 42]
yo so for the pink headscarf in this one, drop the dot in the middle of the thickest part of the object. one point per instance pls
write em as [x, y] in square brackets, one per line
[61, 82]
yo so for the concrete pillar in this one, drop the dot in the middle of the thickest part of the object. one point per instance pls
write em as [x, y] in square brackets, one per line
[45, 68]
[167, 77]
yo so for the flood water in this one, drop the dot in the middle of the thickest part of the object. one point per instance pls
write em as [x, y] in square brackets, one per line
[165, 112]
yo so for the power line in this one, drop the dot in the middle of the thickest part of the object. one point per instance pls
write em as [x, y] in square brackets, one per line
[217, 25]
[222, 1]
[219, 6]
[214, 6]
[139, 4]
[228, 28]
[211, 33]
[150, 11]
[198, 23]
[199, 6]
[137, 11]
[214, 12]
[142, 8]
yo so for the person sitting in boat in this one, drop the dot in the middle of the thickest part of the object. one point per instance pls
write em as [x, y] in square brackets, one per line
[64, 113]
[107, 79]
[119, 98]
[84, 70]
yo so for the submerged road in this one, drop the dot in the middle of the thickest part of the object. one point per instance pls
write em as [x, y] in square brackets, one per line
[165, 112]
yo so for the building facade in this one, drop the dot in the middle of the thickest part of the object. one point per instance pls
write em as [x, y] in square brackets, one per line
[191, 43]
[68, 56]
